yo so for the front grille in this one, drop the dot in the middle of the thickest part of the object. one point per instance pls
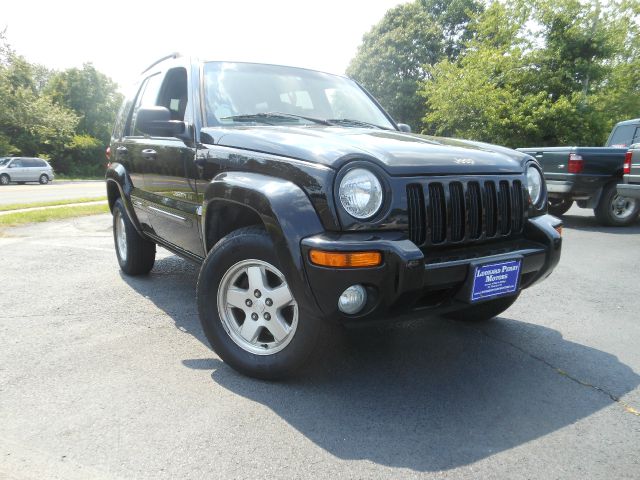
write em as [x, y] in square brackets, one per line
[458, 211]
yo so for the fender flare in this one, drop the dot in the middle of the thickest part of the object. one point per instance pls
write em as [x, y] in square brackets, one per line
[117, 174]
[286, 212]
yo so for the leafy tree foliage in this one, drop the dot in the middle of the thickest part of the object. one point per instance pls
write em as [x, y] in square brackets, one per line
[392, 60]
[30, 123]
[89, 93]
[64, 116]
[539, 73]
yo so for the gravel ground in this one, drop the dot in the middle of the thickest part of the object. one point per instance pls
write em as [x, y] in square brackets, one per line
[104, 376]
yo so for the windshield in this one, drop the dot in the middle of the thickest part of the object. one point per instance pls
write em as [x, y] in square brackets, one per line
[242, 93]
[4, 162]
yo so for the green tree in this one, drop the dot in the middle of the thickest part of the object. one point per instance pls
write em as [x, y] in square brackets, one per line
[537, 73]
[30, 122]
[89, 93]
[391, 61]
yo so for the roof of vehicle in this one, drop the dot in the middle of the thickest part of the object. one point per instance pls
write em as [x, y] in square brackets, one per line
[176, 55]
[629, 122]
[276, 65]
[27, 158]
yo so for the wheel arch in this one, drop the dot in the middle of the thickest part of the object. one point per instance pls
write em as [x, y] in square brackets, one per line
[119, 186]
[280, 206]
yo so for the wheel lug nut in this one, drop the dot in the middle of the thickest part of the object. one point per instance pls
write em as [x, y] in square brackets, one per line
[248, 303]
[257, 293]
[268, 302]
[254, 316]
[267, 316]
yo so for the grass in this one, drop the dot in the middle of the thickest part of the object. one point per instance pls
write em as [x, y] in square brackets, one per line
[51, 203]
[20, 218]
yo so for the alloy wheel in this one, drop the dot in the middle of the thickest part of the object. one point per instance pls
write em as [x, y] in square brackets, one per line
[257, 308]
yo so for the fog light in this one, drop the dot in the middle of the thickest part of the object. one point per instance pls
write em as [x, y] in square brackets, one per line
[352, 299]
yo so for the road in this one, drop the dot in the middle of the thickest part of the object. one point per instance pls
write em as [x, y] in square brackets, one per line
[57, 190]
[104, 376]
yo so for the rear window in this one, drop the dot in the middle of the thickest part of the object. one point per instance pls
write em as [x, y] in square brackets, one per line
[623, 136]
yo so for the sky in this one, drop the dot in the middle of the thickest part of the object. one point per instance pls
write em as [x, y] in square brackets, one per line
[121, 38]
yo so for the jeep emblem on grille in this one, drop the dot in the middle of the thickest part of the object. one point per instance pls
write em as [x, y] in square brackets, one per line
[464, 161]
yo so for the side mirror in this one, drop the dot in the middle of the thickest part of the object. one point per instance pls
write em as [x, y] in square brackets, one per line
[156, 121]
[403, 127]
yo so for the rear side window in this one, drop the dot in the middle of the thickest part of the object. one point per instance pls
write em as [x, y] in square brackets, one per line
[623, 136]
[33, 163]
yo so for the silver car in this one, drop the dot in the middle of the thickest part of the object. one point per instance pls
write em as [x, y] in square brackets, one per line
[23, 169]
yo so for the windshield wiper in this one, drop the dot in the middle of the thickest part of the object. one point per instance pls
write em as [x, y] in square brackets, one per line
[265, 117]
[350, 122]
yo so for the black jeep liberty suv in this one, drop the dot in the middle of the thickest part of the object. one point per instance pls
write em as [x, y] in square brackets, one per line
[308, 206]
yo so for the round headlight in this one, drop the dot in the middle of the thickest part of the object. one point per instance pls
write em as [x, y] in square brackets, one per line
[534, 184]
[360, 193]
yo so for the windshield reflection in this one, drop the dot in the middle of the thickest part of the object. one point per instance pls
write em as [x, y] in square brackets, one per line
[235, 91]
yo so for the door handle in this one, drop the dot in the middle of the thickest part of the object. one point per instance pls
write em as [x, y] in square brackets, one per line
[149, 154]
[120, 151]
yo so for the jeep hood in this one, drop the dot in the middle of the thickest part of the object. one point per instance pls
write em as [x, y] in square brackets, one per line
[396, 152]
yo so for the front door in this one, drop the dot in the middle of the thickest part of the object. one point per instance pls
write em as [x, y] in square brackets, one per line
[17, 170]
[172, 202]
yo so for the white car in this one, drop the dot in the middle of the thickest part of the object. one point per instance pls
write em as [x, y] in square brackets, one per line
[23, 169]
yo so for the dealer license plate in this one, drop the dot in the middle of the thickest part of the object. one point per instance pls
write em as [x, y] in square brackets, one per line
[495, 280]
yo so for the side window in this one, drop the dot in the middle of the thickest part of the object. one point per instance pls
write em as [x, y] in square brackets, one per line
[17, 163]
[636, 136]
[174, 93]
[622, 136]
[29, 163]
[147, 97]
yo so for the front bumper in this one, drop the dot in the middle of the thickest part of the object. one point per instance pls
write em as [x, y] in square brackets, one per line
[575, 186]
[629, 190]
[559, 186]
[433, 282]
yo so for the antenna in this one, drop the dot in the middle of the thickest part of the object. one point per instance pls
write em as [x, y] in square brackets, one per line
[172, 55]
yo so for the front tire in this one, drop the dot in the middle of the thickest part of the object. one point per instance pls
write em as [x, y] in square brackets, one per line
[614, 210]
[43, 179]
[248, 311]
[559, 206]
[483, 311]
[136, 255]
[4, 179]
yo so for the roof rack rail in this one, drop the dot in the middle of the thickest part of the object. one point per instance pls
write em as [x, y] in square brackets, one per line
[172, 55]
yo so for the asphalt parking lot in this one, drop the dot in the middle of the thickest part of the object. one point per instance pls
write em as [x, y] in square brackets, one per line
[103, 376]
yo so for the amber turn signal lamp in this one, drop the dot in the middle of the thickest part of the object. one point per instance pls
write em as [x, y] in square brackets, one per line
[345, 259]
[558, 229]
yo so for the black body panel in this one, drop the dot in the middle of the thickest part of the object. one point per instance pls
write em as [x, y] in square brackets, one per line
[447, 202]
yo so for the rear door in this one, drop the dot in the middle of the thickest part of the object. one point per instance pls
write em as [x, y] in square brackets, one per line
[128, 148]
[170, 194]
[32, 169]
